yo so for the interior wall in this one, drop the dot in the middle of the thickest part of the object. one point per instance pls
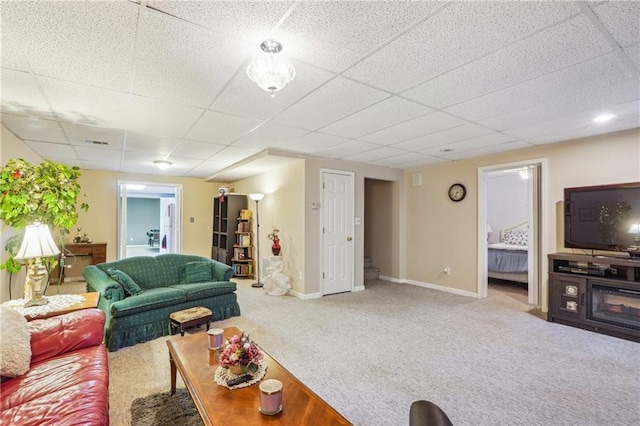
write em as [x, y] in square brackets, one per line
[12, 147]
[143, 214]
[283, 207]
[377, 221]
[445, 233]
[507, 202]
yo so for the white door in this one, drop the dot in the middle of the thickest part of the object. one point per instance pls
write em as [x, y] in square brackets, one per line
[337, 232]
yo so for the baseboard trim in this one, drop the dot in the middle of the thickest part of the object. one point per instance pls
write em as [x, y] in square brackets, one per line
[305, 296]
[358, 288]
[432, 286]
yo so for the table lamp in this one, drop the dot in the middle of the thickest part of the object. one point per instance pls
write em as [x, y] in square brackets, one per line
[37, 243]
[635, 229]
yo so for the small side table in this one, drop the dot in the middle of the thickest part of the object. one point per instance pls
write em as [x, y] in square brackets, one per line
[90, 301]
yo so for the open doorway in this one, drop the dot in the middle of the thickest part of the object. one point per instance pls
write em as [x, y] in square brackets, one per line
[149, 219]
[511, 229]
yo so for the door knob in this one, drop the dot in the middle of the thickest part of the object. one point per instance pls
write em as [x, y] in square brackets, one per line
[349, 238]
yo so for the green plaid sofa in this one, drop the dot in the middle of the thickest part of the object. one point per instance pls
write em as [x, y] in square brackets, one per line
[145, 316]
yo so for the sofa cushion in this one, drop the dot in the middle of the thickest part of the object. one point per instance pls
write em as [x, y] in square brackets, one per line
[144, 270]
[15, 343]
[197, 291]
[171, 265]
[130, 286]
[196, 272]
[152, 298]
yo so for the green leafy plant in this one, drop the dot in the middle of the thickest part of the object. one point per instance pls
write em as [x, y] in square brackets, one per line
[47, 192]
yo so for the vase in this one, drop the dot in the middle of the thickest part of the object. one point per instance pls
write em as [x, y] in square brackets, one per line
[275, 247]
[238, 369]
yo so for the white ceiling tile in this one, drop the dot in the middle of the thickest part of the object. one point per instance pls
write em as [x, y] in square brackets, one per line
[314, 142]
[402, 159]
[250, 21]
[375, 154]
[113, 166]
[347, 148]
[460, 33]
[213, 59]
[79, 134]
[411, 129]
[336, 34]
[270, 136]
[21, 95]
[455, 134]
[633, 52]
[88, 105]
[622, 19]
[157, 146]
[89, 153]
[243, 97]
[49, 150]
[191, 149]
[223, 129]
[233, 154]
[571, 42]
[588, 130]
[485, 141]
[84, 42]
[461, 155]
[206, 168]
[602, 73]
[35, 129]
[333, 101]
[385, 113]
[157, 117]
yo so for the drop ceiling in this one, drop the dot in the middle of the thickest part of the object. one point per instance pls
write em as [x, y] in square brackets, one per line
[115, 85]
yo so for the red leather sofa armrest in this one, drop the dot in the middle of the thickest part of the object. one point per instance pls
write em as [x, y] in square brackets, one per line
[63, 333]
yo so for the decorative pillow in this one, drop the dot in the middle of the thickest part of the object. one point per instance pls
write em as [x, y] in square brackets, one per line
[196, 272]
[15, 343]
[130, 286]
[517, 237]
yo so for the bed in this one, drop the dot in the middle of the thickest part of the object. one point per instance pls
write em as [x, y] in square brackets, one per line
[508, 259]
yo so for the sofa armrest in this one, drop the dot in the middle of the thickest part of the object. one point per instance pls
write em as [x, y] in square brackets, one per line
[64, 333]
[221, 271]
[98, 280]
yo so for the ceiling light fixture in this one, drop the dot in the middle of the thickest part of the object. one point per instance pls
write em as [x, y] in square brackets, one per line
[269, 73]
[603, 118]
[162, 164]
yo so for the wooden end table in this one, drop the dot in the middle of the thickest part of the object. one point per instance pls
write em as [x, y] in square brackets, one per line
[219, 405]
[90, 301]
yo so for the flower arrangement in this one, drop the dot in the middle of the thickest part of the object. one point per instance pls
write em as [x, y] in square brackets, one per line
[273, 235]
[240, 351]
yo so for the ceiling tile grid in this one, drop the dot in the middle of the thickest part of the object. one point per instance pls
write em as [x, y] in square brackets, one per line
[385, 83]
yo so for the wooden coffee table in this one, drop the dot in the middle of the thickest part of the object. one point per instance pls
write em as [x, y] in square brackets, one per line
[218, 405]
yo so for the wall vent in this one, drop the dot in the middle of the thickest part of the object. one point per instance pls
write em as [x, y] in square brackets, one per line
[96, 142]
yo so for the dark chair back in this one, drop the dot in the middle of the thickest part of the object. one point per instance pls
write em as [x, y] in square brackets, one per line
[426, 413]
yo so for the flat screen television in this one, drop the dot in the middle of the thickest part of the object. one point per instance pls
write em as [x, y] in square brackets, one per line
[603, 217]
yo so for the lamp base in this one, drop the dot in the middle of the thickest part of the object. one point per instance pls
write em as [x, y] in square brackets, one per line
[257, 285]
[36, 300]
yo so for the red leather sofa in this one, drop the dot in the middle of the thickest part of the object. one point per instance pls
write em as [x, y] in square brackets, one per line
[68, 381]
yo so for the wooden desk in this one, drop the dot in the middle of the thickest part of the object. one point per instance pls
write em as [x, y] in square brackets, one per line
[217, 405]
[95, 252]
[90, 301]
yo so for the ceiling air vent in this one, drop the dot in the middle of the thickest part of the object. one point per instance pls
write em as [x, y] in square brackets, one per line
[96, 142]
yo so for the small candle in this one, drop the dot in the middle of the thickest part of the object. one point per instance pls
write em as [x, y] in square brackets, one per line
[215, 338]
[270, 396]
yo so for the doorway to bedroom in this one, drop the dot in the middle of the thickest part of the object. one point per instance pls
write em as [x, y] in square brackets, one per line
[510, 225]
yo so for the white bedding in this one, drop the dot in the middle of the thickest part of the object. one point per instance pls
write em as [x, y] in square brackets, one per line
[505, 246]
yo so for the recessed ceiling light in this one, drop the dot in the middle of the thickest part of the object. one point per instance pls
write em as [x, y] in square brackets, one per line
[603, 118]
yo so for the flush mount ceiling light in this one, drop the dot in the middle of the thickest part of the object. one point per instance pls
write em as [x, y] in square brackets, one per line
[269, 73]
[603, 118]
[162, 164]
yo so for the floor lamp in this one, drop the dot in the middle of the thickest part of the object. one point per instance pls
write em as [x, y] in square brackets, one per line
[257, 198]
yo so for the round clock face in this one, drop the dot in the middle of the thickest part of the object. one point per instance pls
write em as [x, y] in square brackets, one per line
[457, 192]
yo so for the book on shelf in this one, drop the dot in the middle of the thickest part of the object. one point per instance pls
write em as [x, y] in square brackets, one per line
[245, 214]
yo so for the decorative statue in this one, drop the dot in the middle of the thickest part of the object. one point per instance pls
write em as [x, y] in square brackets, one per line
[82, 238]
[276, 283]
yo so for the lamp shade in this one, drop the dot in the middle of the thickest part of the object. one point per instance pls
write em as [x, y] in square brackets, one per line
[37, 242]
[256, 197]
[634, 228]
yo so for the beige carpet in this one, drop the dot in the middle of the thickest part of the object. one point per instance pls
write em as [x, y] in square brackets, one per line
[370, 354]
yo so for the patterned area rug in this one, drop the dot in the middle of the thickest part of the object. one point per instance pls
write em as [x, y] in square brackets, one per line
[162, 409]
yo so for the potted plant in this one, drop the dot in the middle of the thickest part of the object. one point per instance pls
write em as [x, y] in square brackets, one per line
[47, 192]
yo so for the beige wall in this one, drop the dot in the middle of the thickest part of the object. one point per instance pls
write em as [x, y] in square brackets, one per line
[442, 233]
[12, 147]
[282, 207]
[101, 221]
[379, 211]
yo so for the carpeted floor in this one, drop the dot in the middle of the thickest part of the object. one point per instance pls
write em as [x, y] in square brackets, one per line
[370, 354]
[162, 409]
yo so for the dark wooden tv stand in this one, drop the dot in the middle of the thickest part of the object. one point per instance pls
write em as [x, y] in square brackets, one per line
[597, 293]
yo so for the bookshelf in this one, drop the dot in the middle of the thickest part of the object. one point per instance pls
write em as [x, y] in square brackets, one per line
[243, 254]
[225, 223]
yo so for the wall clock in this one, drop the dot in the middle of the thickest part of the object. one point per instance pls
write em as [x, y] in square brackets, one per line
[457, 192]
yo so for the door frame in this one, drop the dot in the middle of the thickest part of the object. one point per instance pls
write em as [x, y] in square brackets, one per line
[121, 194]
[538, 191]
[351, 251]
